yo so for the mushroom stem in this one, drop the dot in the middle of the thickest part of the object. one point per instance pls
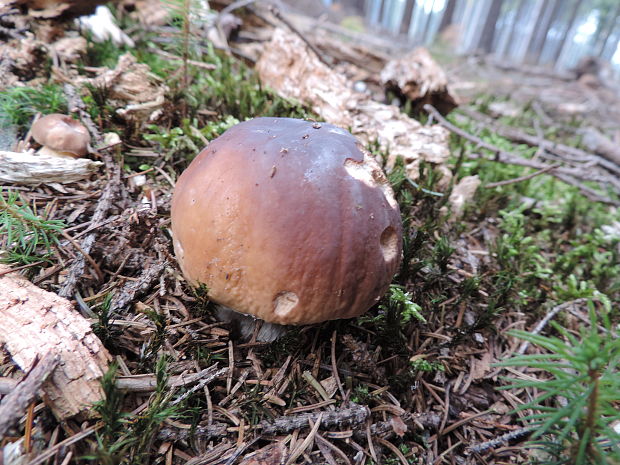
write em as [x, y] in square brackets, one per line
[55, 153]
[246, 324]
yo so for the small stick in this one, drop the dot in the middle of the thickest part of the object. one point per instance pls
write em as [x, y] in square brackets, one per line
[554, 311]
[23, 394]
[22, 267]
[521, 178]
[88, 258]
[335, 366]
[498, 441]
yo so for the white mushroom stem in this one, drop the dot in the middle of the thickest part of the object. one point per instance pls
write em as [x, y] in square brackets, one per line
[46, 151]
[268, 332]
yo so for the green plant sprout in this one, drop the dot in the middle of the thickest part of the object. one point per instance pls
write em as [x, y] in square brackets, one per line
[574, 414]
[401, 301]
[18, 105]
[25, 237]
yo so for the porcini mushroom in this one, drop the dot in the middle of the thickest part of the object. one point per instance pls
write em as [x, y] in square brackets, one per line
[287, 220]
[61, 135]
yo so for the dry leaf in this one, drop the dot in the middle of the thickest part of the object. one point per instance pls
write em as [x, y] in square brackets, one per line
[462, 193]
[398, 425]
[273, 454]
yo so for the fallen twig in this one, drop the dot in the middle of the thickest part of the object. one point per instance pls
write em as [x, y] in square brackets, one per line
[500, 440]
[13, 405]
[521, 178]
[133, 289]
[353, 415]
[554, 311]
[148, 382]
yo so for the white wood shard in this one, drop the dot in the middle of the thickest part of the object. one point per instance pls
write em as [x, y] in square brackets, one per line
[33, 168]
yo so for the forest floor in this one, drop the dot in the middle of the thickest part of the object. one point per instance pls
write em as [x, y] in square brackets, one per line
[529, 251]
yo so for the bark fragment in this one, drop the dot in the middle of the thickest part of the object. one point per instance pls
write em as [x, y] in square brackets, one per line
[418, 78]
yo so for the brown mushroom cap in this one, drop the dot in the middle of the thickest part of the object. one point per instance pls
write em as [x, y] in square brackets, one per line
[288, 220]
[61, 133]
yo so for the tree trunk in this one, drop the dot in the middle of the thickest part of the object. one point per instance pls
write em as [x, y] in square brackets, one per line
[540, 36]
[485, 44]
[427, 22]
[569, 27]
[609, 52]
[404, 25]
[513, 28]
[605, 32]
[448, 15]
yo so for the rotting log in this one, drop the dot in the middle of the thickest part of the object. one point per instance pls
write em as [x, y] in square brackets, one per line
[36, 322]
[289, 67]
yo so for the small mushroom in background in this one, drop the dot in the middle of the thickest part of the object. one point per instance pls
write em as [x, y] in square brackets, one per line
[289, 221]
[61, 136]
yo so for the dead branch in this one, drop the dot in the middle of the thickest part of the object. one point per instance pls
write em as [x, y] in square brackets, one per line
[561, 150]
[31, 168]
[143, 382]
[148, 382]
[562, 173]
[351, 416]
[15, 403]
[216, 430]
[599, 143]
[133, 289]
[500, 440]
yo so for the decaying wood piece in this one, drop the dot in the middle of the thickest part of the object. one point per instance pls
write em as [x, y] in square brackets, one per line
[32, 168]
[601, 144]
[462, 193]
[287, 66]
[418, 78]
[35, 322]
[135, 92]
[351, 416]
[15, 403]
[354, 414]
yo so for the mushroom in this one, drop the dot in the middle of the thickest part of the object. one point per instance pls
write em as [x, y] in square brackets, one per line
[287, 220]
[61, 136]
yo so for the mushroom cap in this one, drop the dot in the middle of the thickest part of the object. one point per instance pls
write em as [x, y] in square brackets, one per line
[287, 220]
[62, 134]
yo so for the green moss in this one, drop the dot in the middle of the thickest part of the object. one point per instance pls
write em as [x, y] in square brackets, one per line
[18, 105]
